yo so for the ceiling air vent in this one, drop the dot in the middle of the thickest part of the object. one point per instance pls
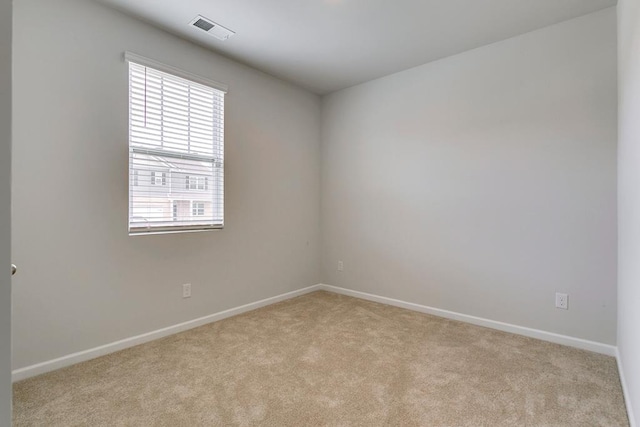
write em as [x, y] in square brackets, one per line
[211, 28]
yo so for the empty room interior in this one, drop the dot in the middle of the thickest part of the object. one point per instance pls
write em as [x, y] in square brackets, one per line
[320, 213]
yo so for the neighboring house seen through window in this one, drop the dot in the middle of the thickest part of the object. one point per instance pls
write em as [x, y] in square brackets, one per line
[176, 149]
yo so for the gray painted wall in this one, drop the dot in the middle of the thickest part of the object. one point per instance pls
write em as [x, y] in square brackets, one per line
[5, 212]
[483, 183]
[629, 197]
[84, 282]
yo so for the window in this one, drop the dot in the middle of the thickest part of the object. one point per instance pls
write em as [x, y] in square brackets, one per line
[197, 209]
[197, 183]
[176, 149]
[158, 178]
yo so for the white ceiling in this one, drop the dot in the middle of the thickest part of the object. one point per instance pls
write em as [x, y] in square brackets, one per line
[326, 45]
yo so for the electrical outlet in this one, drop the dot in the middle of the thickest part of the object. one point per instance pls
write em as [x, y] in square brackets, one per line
[340, 266]
[186, 290]
[562, 301]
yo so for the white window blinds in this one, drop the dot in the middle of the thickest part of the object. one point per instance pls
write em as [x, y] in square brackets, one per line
[176, 152]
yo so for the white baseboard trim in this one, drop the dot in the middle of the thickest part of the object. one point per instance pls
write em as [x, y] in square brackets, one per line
[625, 391]
[596, 347]
[81, 356]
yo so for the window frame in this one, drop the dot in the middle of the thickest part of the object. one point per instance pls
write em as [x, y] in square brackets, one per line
[216, 192]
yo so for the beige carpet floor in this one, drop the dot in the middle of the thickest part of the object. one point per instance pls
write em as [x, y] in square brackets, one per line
[329, 360]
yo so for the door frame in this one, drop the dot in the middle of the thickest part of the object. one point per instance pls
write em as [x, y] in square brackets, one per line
[6, 18]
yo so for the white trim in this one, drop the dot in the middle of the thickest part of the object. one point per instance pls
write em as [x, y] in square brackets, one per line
[596, 347]
[138, 59]
[625, 391]
[81, 356]
[61, 362]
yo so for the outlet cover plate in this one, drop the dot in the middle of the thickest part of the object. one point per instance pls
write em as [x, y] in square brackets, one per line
[186, 290]
[562, 301]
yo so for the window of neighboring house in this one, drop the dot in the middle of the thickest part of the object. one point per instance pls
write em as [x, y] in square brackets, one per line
[197, 183]
[158, 178]
[197, 208]
[176, 125]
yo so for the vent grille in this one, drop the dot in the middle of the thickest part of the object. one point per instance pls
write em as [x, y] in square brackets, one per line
[211, 28]
[203, 25]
